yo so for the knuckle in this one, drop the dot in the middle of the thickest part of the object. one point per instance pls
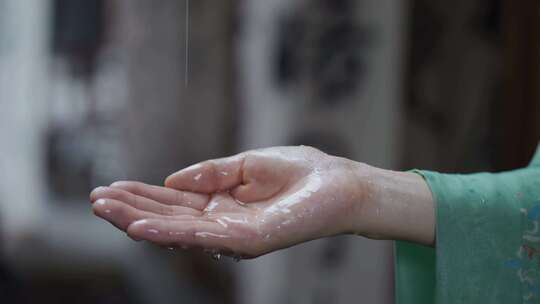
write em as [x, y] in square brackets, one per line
[167, 210]
[119, 210]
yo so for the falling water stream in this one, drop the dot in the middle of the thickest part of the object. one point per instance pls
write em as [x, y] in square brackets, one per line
[186, 76]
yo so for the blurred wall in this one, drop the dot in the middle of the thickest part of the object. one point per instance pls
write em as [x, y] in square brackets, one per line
[91, 114]
[23, 83]
[455, 86]
[521, 48]
[327, 74]
[167, 123]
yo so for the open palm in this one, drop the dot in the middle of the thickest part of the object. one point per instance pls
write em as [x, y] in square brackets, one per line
[245, 205]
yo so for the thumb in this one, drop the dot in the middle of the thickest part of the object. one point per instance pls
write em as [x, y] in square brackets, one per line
[209, 176]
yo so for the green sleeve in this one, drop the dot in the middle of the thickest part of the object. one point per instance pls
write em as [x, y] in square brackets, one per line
[487, 241]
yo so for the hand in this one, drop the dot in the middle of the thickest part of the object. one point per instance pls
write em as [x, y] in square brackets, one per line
[245, 205]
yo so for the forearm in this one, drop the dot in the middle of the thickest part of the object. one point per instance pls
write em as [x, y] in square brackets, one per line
[393, 205]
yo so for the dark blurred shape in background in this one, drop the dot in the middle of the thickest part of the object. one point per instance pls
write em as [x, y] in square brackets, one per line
[94, 91]
[77, 32]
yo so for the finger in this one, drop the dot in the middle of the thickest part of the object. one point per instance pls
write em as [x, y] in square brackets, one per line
[210, 176]
[195, 233]
[122, 215]
[165, 195]
[140, 202]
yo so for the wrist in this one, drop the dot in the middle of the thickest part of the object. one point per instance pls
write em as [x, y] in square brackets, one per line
[362, 206]
[355, 196]
[390, 205]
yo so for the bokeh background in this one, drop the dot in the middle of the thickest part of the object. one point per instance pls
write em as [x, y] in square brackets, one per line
[93, 91]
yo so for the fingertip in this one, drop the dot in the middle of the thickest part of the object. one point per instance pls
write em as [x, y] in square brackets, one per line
[178, 181]
[136, 226]
[94, 195]
[172, 180]
[169, 181]
[101, 208]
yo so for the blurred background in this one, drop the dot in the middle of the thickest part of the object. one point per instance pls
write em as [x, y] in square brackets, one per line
[93, 91]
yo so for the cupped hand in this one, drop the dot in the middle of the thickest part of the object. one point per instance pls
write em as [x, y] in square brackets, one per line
[246, 205]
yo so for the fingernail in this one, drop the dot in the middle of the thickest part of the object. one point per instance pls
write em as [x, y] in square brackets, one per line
[101, 202]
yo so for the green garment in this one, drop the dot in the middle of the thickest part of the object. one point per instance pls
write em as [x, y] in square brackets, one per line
[487, 241]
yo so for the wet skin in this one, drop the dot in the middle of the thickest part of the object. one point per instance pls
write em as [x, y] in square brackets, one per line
[257, 202]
